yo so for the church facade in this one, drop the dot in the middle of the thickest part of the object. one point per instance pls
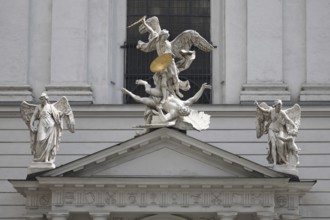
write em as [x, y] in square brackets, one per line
[79, 49]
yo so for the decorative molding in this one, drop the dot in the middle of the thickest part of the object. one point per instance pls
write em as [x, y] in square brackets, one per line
[15, 93]
[113, 197]
[49, 198]
[136, 111]
[315, 92]
[81, 93]
[264, 92]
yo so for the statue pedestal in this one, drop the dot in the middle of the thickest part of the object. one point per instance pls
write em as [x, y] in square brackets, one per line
[36, 167]
[289, 169]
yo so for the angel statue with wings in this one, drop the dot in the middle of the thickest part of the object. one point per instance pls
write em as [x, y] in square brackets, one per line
[46, 135]
[282, 128]
[165, 65]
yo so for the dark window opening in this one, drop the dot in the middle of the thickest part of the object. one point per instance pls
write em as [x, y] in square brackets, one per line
[176, 16]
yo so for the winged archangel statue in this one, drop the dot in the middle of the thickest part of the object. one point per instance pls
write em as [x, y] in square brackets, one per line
[164, 106]
[46, 134]
[282, 128]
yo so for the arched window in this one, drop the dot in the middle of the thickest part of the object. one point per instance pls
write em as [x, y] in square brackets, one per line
[175, 16]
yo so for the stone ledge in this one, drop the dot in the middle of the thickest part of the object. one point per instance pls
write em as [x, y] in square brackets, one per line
[264, 92]
[315, 93]
[15, 93]
[75, 93]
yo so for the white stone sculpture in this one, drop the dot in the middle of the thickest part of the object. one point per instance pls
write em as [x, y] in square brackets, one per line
[164, 107]
[282, 128]
[177, 112]
[46, 134]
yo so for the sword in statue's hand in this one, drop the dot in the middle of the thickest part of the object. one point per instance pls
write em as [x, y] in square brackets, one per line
[137, 22]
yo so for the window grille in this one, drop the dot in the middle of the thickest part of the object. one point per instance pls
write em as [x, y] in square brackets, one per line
[175, 16]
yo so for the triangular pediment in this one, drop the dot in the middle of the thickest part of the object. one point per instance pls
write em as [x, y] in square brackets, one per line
[163, 153]
[165, 161]
[162, 170]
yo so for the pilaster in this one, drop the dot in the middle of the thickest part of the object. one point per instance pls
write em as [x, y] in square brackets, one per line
[235, 51]
[317, 85]
[14, 47]
[69, 52]
[39, 45]
[99, 35]
[265, 81]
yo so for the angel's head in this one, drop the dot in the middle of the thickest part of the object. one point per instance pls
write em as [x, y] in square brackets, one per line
[44, 98]
[277, 105]
[164, 34]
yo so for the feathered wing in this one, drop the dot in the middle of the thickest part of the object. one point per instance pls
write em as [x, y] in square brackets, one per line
[187, 39]
[27, 111]
[153, 22]
[294, 113]
[199, 120]
[63, 105]
[262, 120]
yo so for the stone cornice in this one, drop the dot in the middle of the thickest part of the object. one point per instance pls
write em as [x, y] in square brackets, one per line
[98, 111]
[162, 194]
[231, 163]
[165, 182]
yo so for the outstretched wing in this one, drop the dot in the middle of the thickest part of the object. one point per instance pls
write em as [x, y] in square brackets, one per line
[262, 120]
[199, 120]
[187, 39]
[63, 105]
[153, 22]
[27, 111]
[294, 113]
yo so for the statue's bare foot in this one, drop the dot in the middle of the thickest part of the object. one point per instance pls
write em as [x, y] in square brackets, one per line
[140, 82]
[162, 102]
[179, 94]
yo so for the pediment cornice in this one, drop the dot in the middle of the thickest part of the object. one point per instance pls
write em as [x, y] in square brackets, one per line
[163, 138]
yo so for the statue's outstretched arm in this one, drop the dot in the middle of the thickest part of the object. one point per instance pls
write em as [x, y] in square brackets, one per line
[198, 94]
[261, 108]
[149, 29]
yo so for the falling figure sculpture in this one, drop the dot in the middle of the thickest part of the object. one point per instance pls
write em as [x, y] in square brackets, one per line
[164, 107]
